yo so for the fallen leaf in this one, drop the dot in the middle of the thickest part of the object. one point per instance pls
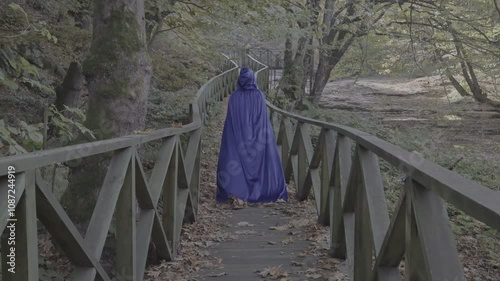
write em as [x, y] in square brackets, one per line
[337, 276]
[217, 274]
[299, 223]
[204, 244]
[273, 272]
[245, 232]
[279, 227]
[244, 223]
[314, 276]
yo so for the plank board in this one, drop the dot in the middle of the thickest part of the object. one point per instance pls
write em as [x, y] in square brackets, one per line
[250, 252]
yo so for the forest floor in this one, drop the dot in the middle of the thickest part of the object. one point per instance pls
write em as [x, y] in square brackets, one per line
[421, 104]
[424, 116]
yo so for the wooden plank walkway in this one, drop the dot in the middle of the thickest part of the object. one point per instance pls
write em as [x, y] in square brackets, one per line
[269, 245]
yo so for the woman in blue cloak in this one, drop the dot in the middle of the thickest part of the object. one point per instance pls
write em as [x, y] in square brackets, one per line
[249, 165]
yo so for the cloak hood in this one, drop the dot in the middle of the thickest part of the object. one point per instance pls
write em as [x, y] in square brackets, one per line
[246, 81]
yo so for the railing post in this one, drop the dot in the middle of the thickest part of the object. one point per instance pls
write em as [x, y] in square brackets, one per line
[431, 237]
[342, 170]
[393, 247]
[170, 200]
[363, 248]
[126, 226]
[308, 171]
[293, 166]
[326, 174]
[192, 164]
[413, 254]
[25, 230]
[283, 140]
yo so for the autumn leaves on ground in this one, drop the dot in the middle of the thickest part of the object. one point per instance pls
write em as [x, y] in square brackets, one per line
[194, 260]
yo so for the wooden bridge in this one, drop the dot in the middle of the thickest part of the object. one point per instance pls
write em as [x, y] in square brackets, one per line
[340, 170]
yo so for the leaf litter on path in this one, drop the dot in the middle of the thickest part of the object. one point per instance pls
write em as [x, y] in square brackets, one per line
[210, 228]
[273, 272]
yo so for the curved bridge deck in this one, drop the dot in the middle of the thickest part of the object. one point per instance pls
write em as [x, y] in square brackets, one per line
[267, 243]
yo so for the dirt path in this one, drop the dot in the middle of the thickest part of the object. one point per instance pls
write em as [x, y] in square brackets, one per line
[424, 103]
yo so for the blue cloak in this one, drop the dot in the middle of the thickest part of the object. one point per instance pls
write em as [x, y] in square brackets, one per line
[249, 165]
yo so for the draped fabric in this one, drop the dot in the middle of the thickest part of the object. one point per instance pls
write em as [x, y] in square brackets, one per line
[249, 165]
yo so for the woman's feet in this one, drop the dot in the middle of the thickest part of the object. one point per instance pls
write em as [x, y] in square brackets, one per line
[239, 204]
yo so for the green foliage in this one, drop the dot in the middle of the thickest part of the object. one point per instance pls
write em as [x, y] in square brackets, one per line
[74, 42]
[66, 127]
[14, 68]
[34, 84]
[172, 76]
[288, 83]
[175, 66]
[10, 137]
[17, 17]
[207, 27]
[437, 39]
[24, 138]
[480, 170]
[457, 39]
[166, 108]
[5, 81]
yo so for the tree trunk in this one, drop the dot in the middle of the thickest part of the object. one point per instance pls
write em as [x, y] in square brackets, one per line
[320, 75]
[308, 64]
[118, 68]
[328, 19]
[328, 60]
[333, 46]
[68, 93]
[297, 69]
[309, 55]
[461, 90]
[118, 71]
[291, 82]
[454, 82]
[288, 55]
[468, 70]
[336, 39]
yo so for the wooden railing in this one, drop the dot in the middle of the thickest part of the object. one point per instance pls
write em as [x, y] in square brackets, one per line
[342, 170]
[175, 178]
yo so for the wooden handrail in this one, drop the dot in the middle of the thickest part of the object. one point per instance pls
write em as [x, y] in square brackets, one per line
[175, 178]
[38, 159]
[349, 194]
